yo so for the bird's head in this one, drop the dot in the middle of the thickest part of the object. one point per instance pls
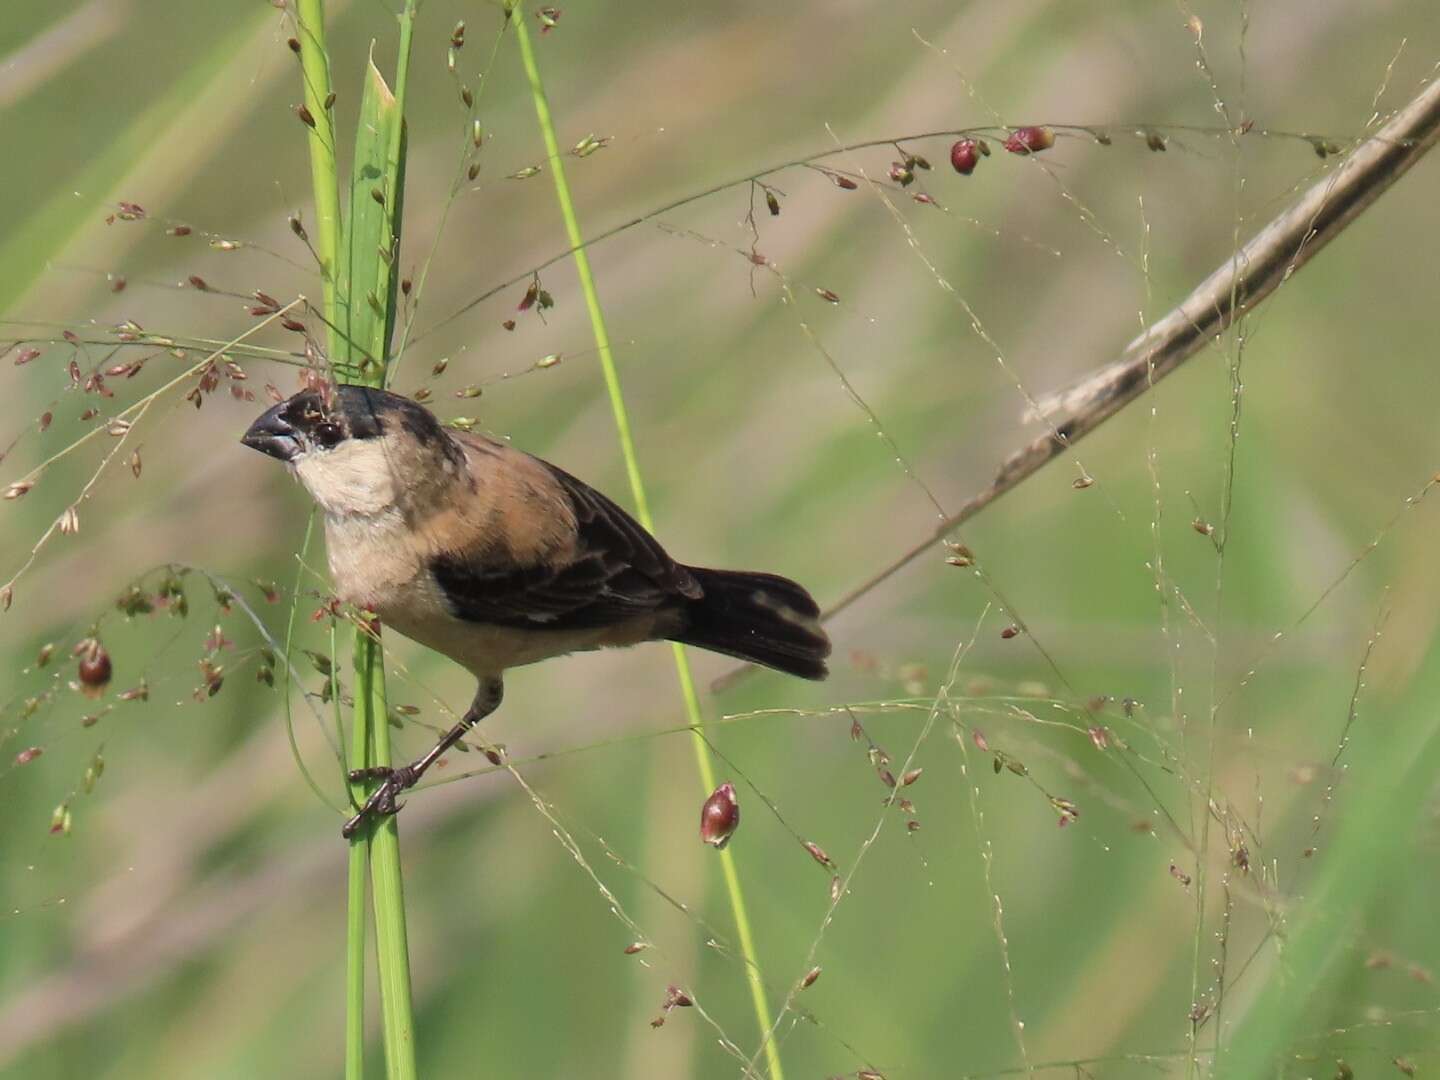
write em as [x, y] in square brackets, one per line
[356, 449]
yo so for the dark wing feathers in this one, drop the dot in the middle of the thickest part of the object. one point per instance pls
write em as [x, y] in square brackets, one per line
[617, 571]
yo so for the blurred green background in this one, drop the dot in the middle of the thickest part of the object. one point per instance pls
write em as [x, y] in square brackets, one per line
[192, 923]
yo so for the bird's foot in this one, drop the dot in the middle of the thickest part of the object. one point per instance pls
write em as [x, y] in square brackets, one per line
[382, 800]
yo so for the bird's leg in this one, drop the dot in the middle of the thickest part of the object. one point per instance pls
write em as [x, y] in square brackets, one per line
[397, 779]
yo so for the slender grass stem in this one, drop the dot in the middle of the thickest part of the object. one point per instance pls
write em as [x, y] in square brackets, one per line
[290, 621]
[703, 759]
[356, 875]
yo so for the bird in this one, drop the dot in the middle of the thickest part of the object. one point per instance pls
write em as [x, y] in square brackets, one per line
[496, 558]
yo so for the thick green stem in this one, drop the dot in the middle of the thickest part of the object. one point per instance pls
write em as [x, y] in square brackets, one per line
[703, 759]
[359, 332]
[387, 889]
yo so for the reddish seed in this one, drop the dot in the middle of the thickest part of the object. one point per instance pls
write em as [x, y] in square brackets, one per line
[828, 295]
[306, 116]
[294, 44]
[887, 778]
[910, 777]
[964, 156]
[1029, 140]
[197, 282]
[634, 947]
[809, 979]
[978, 738]
[900, 174]
[95, 668]
[179, 230]
[293, 325]
[675, 998]
[129, 211]
[494, 755]
[1100, 736]
[843, 182]
[720, 816]
[45, 419]
[508, 324]
[29, 754]
[117, 284]
[25, 356]
[1010, 632]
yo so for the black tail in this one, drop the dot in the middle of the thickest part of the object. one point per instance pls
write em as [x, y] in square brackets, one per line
[761, 618]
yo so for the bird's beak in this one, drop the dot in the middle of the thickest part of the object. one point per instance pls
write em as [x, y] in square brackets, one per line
[272, 434]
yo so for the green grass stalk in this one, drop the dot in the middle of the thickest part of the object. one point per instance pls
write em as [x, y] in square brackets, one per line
[366, 333]
[703, 760]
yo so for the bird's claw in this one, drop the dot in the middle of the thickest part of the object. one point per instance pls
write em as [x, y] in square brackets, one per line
[382, 800]
[373, 772]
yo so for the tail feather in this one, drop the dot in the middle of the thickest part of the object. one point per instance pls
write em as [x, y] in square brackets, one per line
[762, 618]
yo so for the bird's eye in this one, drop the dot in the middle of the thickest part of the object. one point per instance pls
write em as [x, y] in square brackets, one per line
[328, 434]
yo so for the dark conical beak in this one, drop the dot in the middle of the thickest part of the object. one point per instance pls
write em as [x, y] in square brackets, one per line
[272, 434]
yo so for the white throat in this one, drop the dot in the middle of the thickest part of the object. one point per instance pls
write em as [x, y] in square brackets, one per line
[352, 480]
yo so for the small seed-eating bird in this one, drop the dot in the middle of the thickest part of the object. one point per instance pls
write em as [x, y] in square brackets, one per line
[496, 558]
